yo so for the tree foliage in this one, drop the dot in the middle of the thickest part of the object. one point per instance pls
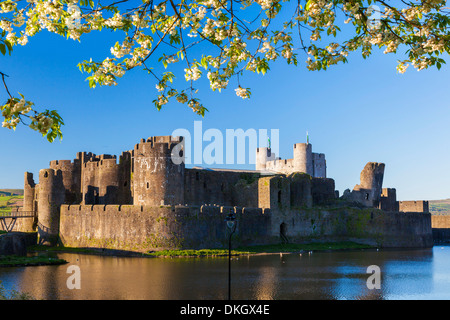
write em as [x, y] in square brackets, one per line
[235, 37]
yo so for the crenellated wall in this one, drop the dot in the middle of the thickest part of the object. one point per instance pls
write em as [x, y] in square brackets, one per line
[146, 228]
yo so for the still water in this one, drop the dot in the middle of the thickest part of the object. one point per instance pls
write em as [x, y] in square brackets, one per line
[405, 274]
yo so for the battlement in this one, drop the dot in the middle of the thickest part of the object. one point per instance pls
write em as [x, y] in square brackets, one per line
[177, 210]
[108, 163]
[85, 156]
[318, 155]
[64, 165]
[413, 206]
[162, 142]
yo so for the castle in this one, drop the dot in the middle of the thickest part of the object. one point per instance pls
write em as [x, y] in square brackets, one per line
[148, 200]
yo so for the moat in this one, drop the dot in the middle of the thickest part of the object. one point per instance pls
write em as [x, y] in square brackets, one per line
[405, 274]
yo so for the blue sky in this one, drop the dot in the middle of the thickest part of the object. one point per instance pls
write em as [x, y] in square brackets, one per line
[355, 113]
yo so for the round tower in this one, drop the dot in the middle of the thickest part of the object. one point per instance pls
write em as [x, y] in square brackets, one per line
[262, 156]
[303, 158]
[71, 175]
[157, 180]
[51, 197]
[108, 181]
[89, 183]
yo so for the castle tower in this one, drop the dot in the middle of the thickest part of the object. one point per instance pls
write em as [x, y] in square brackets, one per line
[29, 204]
[71, 174]
[89, 183]
[28, 193]
[262, 156]
[320, 165]
[51, 196]
[157, 179]
[108, 181]
[125, 196]
[371, 182]
[303, 161]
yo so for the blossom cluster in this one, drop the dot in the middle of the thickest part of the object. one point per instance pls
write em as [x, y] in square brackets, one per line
[231, 41]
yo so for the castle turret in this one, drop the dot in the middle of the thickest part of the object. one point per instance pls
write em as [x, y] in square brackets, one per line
[262, 156]
[108, 181]
[157, 179]
[71, 174]
[303, 161]
[51, 196]
[371, 183]
[320, 165]
[29, 204]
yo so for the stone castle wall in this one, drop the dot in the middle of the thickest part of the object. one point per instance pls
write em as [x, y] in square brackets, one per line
[145, 228]
[414, 206]
[441, 228]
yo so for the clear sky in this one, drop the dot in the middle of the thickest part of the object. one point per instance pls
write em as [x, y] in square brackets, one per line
[355, 113]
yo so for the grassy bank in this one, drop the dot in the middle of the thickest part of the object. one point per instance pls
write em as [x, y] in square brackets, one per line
[17, 261]
[273, 248]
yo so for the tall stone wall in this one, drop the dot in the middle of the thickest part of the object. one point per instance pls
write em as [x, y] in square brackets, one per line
[369, 226]
[146, 228]
[225, 188]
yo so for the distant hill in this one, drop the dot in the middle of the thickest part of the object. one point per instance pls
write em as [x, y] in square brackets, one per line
[440, 207]
[11, 192]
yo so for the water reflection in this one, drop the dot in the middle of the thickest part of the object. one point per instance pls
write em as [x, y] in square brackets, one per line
[405, 274]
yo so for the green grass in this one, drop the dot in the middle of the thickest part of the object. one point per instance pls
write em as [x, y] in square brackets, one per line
[273, 248]
[11, 192]
[194, 253]
[18, 261]
[294, 247]
[6, 202]
[41, 248]
[440, 207]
